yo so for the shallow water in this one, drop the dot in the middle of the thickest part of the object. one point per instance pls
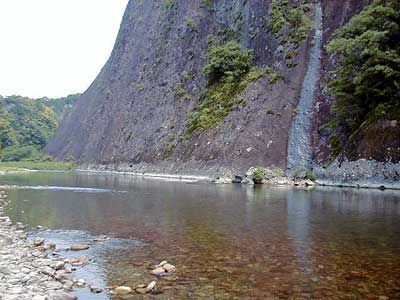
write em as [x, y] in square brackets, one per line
[228, 241]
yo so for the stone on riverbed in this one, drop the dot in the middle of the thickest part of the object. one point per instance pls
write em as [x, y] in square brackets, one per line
[142, 290]
[158, 271]
[79, 247]
[151, 285]
[123, 290]
[95, 289]
[77, 262]
[169, 268]
[100, 239]
[62, 296]
[38, 241]
[46, 270]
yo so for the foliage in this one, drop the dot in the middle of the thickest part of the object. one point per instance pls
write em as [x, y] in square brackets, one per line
[170, 150]
[220, 99]
[259, 175]
[16, 153]
[291, 16]
[60, 106]
[32, 165]
[26, 125]
[308, 174]
[227, 61]
[366, 82]
[229, 71]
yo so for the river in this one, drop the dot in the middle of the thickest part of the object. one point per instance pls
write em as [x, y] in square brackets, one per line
[227, 241]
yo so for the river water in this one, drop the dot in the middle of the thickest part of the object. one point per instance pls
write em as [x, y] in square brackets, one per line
[227, 241]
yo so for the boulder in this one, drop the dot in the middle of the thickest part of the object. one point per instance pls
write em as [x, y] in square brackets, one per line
[237, 179]
[223, 180]
[248, 180]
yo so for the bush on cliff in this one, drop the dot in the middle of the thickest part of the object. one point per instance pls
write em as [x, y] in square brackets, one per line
[227, 61]
[367, 77]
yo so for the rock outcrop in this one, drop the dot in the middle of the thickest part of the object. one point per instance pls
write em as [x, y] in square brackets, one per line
[136, 111]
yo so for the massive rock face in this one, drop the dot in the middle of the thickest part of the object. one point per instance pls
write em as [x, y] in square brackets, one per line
[135, 112]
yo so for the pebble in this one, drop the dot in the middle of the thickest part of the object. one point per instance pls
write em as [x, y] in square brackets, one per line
[26, 272]
[169, 268]
[158, 271]
[95, 289]
[79, 247]
[38, 241]
[123, 290]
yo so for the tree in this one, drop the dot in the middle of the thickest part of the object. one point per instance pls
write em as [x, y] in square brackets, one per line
[368, 76]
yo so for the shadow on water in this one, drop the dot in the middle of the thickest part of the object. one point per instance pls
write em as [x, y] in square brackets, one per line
[228, 241]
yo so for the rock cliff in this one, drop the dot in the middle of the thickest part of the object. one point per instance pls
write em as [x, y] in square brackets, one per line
[136, 111]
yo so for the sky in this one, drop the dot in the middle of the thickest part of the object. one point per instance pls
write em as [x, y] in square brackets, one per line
[54, 48]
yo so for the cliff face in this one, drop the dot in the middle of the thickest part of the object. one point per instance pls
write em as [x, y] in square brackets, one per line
[137, 108]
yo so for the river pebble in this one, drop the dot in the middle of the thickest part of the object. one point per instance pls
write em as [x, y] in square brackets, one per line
[26, 272]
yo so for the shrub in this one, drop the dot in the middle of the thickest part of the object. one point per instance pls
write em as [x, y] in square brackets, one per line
[308, 174]
[227, 61]
[259, 175]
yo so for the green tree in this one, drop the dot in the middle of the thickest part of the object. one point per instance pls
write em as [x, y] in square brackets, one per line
[26, 125]
[227, 61]
[367, 78]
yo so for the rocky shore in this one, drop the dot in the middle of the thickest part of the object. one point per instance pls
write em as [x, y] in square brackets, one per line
[357, 174]
[361, 173]
[26, 270]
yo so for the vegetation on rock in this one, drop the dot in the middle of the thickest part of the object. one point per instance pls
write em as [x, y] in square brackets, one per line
[229, 72]
[290, 16]
[366, 82]
[259, 175]
[304, 173]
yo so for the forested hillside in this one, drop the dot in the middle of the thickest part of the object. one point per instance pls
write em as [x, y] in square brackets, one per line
[26, 125]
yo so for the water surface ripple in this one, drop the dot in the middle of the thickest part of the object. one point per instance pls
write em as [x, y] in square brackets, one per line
[227, 241]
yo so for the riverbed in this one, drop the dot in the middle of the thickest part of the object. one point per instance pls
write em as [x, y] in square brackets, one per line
[227, 241]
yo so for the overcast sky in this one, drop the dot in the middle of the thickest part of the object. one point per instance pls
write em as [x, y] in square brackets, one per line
[55, 47]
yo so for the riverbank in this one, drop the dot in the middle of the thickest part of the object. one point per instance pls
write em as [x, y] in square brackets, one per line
[356, 174]
[360, 174]
[20, 167]
[26, 271]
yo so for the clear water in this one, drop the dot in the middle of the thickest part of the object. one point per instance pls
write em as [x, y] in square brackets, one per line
[227, 241]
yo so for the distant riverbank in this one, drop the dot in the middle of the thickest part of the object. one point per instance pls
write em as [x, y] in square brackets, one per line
[21, 167]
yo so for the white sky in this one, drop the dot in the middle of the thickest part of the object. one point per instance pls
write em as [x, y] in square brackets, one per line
[55, 47]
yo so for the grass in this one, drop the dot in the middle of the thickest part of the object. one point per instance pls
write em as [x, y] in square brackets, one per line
[33, 165]
[221, 98]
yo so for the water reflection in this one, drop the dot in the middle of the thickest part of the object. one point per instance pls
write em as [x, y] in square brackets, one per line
[228, 241]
